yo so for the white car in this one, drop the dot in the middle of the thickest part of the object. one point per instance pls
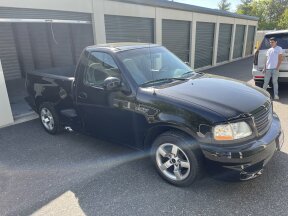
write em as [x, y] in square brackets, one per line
[259, 57]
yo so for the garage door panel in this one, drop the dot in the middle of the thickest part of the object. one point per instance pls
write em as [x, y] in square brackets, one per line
[26, 13]
[129, 29]
[250, 40]
[176, 37]
[204, 44]
[239, 41]
[8, 52]
[224, 42]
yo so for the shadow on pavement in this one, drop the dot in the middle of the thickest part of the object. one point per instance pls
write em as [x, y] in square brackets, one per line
[240, 70]
[36, 169]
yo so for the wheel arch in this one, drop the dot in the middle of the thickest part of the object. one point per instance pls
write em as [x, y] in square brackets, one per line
[155, 131]
[38, 101]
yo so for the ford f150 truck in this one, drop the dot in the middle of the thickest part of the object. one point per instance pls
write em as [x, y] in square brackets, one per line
[143, 96]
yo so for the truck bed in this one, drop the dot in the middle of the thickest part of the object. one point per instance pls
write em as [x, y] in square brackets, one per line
[60, 72]
[50, 85]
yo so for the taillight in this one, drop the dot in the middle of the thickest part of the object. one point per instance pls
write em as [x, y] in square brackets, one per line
[256, 57]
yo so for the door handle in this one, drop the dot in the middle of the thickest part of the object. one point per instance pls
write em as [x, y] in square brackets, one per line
[82, 95]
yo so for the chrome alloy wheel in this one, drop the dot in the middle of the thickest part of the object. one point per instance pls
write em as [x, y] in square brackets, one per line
[172, 162]
[47, 119]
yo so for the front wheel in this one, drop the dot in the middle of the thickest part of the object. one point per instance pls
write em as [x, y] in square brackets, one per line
[49, 118]
[176, 158]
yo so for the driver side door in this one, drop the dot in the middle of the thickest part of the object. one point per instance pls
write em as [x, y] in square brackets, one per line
[99, 108]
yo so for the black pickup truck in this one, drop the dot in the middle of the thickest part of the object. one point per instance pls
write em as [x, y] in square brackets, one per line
[143, 96]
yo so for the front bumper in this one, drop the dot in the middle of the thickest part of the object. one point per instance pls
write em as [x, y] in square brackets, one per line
[251, 156]
[259, 76]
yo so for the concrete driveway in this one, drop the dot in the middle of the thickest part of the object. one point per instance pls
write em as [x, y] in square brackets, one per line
[72, 174]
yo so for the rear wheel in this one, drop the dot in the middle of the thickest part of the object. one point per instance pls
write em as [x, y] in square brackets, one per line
[176, 158]
[49, 118]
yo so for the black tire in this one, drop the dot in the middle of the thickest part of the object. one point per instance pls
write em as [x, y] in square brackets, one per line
[51, 115]
[188, 152]
[259, 84]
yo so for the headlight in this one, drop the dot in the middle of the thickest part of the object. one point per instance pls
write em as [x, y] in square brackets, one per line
[232, 131]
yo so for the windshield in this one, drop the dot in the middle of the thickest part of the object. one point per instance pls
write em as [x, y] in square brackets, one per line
[151, 64]
[282, 41]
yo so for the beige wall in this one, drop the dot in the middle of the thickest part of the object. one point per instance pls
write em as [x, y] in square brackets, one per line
[5, 110]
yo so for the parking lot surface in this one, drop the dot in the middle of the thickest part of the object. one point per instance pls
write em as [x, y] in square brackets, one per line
[73, 174]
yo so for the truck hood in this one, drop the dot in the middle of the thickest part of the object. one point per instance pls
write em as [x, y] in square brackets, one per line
[227, 97]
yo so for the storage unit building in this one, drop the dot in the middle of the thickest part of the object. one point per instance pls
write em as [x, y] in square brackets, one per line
[53, 33]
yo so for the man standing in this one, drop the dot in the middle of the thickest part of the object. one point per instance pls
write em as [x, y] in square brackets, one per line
[272, 63]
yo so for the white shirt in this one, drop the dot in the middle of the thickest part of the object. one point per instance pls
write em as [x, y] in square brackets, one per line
[272, 57]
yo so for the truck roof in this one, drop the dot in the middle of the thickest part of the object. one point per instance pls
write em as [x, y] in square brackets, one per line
[123, 46]
[277, 32]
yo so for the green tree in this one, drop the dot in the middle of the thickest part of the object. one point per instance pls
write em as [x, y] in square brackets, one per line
[268, 11]
[224, 5]
[283, 22]
[245, 7]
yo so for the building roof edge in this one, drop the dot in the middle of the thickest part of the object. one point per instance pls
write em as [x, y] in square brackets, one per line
[187, 7]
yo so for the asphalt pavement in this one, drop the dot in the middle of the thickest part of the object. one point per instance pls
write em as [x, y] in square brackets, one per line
[73, 174]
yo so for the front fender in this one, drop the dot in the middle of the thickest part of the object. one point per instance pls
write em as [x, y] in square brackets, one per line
[154, 131]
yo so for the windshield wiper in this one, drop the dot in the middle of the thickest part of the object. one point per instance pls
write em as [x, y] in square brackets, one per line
[162, 80]
[192, 72]
[187, 73]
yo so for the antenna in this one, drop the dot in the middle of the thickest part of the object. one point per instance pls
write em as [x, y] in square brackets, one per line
[151, 69]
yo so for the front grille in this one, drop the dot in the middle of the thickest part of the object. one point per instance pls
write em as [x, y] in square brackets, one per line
[263, 118]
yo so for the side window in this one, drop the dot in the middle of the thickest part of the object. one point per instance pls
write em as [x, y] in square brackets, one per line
[282, 41]
[100, 66]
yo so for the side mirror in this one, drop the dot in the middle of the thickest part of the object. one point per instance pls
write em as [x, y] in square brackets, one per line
[111, 83]
[187, 63]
